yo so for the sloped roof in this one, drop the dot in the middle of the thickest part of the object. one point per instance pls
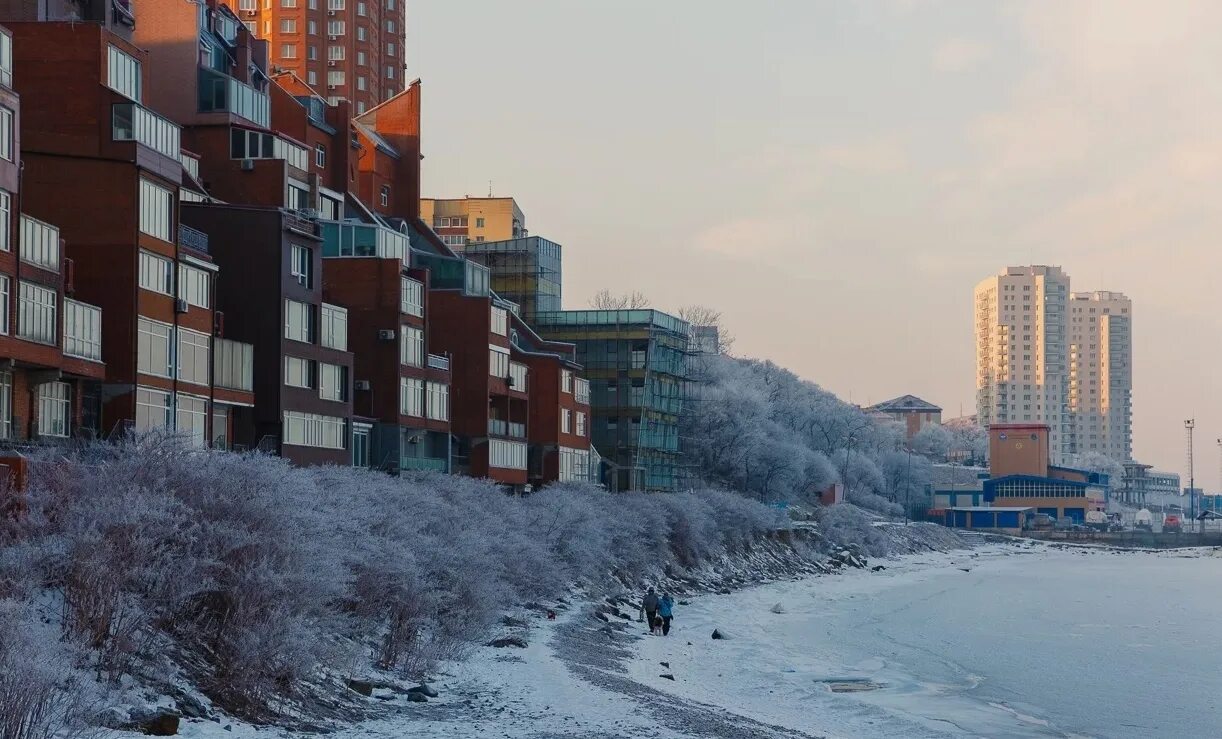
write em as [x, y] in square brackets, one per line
[906, 403]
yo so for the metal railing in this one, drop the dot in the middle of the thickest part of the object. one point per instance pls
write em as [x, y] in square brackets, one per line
[220, 92]
[134, 122]
[423, 464]
[437, 361]
[192, 239]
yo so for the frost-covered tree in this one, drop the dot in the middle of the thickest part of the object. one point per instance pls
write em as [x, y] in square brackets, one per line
[933, 441]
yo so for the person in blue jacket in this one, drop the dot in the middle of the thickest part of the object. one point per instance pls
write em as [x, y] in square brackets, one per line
[666, 609]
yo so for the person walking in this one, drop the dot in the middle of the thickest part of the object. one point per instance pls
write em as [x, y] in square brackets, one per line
[650, 607]
[666, 609]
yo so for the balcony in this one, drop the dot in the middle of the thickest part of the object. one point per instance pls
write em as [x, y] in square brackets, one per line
[134, 122]
[449, 273]
[192, 239]
[517, 377]
[423, 464]
[438, 362]
[39, 243]
[362, 240]
[191, 164]
[233, 365]
[82, 330]
[222, 93]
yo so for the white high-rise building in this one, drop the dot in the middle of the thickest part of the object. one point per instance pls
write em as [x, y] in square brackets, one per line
[1021, 370]
[1046, 355]
[1101, 374]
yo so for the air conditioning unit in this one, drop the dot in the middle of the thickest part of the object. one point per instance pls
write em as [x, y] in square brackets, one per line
[333, 37]
[248, 165]
[363, 385]
[332, 87]
[386, 334]
[331, 13]
[248, 13]
[180, 305]
[331, 63]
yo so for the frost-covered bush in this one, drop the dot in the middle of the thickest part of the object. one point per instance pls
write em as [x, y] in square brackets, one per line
[252, 577]
[846, 526]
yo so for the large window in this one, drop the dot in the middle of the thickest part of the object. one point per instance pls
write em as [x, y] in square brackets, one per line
[233, 365]
[509, 455]
[566, 381]
[298, 321]
[6, 220]
[6, 134]
[302, 265]
[6, 405]
[412, 296]
[574, 464]
[39, 243]
[309, 429]
[332, 381]
[581, 390]
[581, 423]
[82, 330]
[438, 401]
[566, 421]
[411, 397]
[153, 409]
[500, 321]
[192, 417]
[194, 356]
[498, 361]
[193, 286]
[517, 376]
[153, 347]
[54, 408]
[298, 372]
[334, 327]
[36, 313]
[156, 211]
[123, 73]
[6, 296]
[411, 347]
[156, 273]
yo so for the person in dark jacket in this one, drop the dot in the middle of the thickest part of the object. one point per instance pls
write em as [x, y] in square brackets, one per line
[649, 605]
[666, 611]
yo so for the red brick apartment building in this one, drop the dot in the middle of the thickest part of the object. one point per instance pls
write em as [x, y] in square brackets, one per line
[559, 421]
[108, 171]
[50, 343]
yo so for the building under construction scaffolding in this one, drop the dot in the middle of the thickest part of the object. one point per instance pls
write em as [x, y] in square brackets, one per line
[637, 364]
[526, 271]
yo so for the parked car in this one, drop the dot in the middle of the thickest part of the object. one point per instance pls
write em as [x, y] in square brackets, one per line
[1040, 521]
[1173, 524]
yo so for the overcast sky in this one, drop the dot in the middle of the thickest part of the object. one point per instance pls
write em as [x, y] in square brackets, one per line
[837, 176]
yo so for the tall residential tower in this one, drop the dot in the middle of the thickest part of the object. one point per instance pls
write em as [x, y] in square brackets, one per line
[1047, 355]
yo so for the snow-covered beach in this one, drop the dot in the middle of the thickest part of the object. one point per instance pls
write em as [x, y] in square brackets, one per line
[993, 642]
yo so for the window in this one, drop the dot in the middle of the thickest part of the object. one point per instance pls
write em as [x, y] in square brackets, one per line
[335, 28]
[248, 5]
[267, 25]
[320, 155]
[360, 33]
[498, 361]
[360, 107]
[332, 381]
[153, 347]
[517, 376]
[309, 429]
[298, 195]
[360, 58]
[311, 78]
[6, 222]
[574, 464]
[6, 405]
[288, 25]
[312, 51]
[156, 210]
[510, 455]
[156, 273]
[335, 4]
[390, 48]
[123, 73]
[335, 53]
[438, 401]
[302, 263]
[54, 408]
[385, 195]
[5, 298]
[192, 415]
[360, 83]
[411, 397]
[193, 285]
[82, 329]
[152, 409]
[390, 4]
[412, 295]
[566, 381]
[581, 391]
[312, 28]
[390, 72]
[479, 222]
[194, 356]
[288, 51]
[390, 26]
[298, 372]
[500, 321]
[39, 243]
[334, 327]
[298, 321]
[6, 134]
[36, 313]
[335, 79]
[581, 423]
[288, 3]
[411, 347]
[360, 8]
[566, 421]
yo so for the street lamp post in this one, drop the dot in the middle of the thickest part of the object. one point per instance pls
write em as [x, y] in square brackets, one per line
[908, 487]
[1190, 425]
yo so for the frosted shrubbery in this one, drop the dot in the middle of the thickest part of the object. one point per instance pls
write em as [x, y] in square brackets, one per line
[252, 577]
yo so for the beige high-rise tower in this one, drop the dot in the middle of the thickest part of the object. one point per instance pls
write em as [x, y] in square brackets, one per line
[1021, 370]
[1049, 356]
[1101, 374]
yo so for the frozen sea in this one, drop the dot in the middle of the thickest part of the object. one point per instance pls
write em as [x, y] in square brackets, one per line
[1026, 642]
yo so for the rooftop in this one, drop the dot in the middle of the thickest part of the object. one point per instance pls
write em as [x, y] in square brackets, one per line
[641, 317]
[906, 403]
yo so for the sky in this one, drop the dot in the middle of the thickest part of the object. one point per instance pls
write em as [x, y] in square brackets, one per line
[836, 177]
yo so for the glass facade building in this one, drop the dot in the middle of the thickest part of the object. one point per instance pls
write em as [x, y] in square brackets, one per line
[526, 271]
[637, 364]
